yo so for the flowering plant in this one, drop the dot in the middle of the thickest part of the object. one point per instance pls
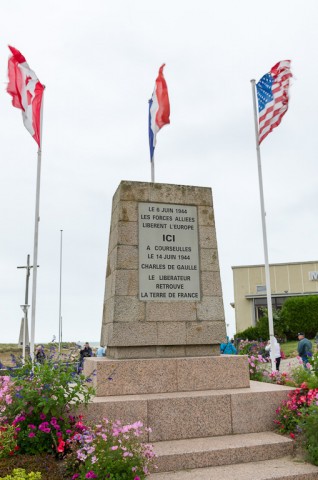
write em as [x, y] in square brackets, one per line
[248, 347]
[110, 450]
[5, 392]
[280, 378]
[8, 440]
[309, 428]
[37, 401]
[293, 410]
[255, 367]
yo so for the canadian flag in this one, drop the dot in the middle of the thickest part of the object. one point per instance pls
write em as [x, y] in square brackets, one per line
[26, 91]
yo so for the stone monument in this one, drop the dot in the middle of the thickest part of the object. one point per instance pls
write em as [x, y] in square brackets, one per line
[163, 294]
[163, 322]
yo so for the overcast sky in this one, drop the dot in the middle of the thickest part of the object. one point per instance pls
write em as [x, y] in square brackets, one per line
[99, 61]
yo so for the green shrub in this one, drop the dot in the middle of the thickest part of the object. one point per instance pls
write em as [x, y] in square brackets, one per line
[38, 402]
[300, 314]
[8, 440]
[251, 333]
[309, 427]
[20, 474]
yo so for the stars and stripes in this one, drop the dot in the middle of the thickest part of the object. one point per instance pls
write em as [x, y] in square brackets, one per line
[272, 96]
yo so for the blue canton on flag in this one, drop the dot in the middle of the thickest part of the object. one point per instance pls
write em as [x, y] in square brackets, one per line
[264, 91]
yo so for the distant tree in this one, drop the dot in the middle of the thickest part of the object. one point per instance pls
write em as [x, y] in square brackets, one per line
[300, 314]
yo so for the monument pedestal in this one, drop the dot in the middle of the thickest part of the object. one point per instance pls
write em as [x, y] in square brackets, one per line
[163, 375]
[163, 322]
[163, 295]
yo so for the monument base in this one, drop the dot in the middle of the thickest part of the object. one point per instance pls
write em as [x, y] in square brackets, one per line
[163, 375]
[162, 351]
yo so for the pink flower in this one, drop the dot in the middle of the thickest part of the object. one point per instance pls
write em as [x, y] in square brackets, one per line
[42, 416]
[137, 478]
[91, 474]
[75, 476]
[114, 447]
[32, 434]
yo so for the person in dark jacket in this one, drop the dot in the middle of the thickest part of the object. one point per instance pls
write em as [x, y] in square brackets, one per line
[84, 352]
[304, 348]
[39, 354]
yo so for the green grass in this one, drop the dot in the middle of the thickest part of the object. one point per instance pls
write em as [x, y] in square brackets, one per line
[289, 348]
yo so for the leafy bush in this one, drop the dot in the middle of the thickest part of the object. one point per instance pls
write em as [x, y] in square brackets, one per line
[299, 314]
[20, 474]
[251, 333]
[261, 330]
[309, 431]
[302, 375]
[295, 409]
[37, 401]
[8, 440]
[246, 347]
[110, 450]
[255, 367]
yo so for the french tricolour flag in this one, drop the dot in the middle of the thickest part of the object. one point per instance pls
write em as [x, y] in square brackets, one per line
[159, 110]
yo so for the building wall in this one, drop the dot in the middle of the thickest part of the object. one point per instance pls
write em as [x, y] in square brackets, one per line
[287, 280]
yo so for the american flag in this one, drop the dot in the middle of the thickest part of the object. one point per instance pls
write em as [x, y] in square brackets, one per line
[272, 96]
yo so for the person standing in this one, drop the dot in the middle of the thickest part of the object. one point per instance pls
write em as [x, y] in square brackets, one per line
[101, 351]
[84, 352]
[304, 348]
[228, 348]
[277, 352]
[40, 355]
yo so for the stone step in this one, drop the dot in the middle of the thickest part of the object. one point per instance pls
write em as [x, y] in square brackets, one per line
[285, 468]
[183, 415]
[223, 450]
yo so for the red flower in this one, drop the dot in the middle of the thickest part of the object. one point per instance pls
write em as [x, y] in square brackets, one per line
[61, 445]
[292, 435]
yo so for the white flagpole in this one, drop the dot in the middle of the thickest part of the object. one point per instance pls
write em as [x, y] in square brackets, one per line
[263, 215]
[60, 297]
[153, 169]
[36, 238]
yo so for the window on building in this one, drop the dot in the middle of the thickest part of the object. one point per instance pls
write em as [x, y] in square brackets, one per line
[260, 305]
[260, 288]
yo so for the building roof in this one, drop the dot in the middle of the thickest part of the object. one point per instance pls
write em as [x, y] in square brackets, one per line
[276, 264]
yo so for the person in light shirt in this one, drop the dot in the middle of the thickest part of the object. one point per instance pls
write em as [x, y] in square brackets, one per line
[277, 352]
[101, 351]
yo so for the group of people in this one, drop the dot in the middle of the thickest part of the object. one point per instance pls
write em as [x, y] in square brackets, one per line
[87, 351]
[304, 349]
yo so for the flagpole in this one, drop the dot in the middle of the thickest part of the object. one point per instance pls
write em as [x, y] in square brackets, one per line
[263, 215]
[35, 252]
[60, 296]
[36, 237]
[153, 169]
